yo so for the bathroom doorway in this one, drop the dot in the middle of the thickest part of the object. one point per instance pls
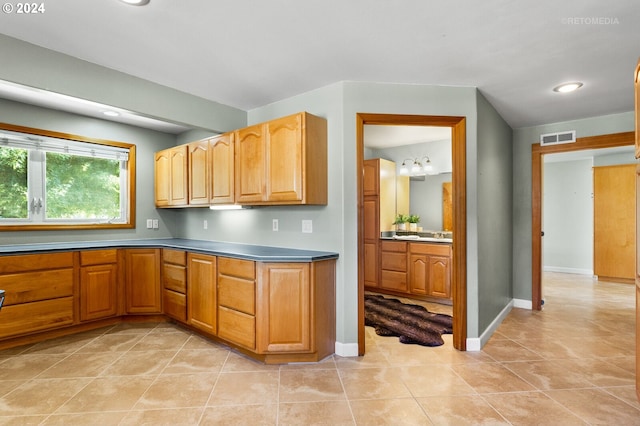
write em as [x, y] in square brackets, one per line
[459, 271]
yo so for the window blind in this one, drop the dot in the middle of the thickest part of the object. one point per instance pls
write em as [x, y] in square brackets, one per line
[62, 146]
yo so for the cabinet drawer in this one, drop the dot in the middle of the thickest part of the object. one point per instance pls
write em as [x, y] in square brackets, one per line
[177, 257]
[435, 249]
[35, 262]
[397, 246]
[392, 280]
[394, 262]
[175, 305]
[33, 286]
[237, 268]
[98, 257]
[237, 327]
[36, 316]
[236, 293]
[174, 277]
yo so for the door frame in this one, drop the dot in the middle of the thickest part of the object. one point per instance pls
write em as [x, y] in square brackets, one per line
[459, 184]
[537, 151]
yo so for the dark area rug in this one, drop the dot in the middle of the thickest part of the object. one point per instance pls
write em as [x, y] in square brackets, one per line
[413, 324]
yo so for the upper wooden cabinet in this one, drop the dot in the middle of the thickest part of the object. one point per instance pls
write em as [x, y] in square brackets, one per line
[283, 161]
[250, 164]
[636, 84]
[198, 176]
[222, 152]
[171, 177]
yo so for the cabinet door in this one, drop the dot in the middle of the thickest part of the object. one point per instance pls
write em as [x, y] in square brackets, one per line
[98, 291]
[440, 276]
[283, 321]
[370, 264]
[178, 176]
[418, 270]
[371, 175]
[222, 169]
[250, 164]
[201, 292]
[162, 178]
[284, 159]
[142, 285]
[198, 176]
[636, 85]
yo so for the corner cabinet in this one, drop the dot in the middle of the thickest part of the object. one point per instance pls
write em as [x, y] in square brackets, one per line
[282, 161]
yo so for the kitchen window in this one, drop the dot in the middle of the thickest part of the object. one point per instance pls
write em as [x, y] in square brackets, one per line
[51, 180]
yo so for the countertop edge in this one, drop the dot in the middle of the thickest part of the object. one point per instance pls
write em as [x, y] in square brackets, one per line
[217, 248]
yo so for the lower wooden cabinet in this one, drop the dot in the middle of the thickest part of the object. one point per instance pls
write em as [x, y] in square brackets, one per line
[142, 281]
[284, 294]
[430, 270]
[415, 269]
[174, 284]
[237, 301]
[201, 294]
[275, 312]
[295, 312]
[98, 284]
[29, 305]
[393, 264]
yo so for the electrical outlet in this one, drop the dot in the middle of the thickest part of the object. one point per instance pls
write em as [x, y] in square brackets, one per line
[205, 224]
[156, 225]
[307, 226]
[274, 225]
[149, 223]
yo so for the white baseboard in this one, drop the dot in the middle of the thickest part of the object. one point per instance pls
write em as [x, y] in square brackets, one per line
[475, 344]
[578, 271]
[346, 349]
[522, 304]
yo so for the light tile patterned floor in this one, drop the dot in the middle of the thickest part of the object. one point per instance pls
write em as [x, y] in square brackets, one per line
[572, 363]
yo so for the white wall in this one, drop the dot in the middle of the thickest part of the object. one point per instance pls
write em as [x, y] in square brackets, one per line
[568, 216]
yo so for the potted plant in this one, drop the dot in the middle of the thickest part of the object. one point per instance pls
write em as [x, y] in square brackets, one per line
[401, 222]
[414, 219]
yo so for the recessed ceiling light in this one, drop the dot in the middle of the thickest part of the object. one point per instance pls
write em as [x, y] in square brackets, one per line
[111, 113]
[567, 87]
[135, 2]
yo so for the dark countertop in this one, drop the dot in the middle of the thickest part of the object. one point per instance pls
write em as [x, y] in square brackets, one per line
[234, 250]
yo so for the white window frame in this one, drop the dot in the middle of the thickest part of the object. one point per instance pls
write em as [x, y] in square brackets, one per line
[38, 143]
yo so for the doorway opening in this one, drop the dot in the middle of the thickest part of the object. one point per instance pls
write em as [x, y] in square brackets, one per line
[537, 153]
[459, 262]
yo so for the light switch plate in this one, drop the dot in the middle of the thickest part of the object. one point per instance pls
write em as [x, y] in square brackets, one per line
[274, 226]
[149, 223]
[155, 224]
[307, 226]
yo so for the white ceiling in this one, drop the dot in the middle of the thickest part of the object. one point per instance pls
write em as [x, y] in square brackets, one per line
[376, 136]
[249, 53]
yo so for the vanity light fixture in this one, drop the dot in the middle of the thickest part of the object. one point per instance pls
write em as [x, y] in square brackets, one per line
[135, 2]
[415, 167]
[568, 87]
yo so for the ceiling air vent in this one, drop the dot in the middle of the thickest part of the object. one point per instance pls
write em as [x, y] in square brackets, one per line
[558, 138]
